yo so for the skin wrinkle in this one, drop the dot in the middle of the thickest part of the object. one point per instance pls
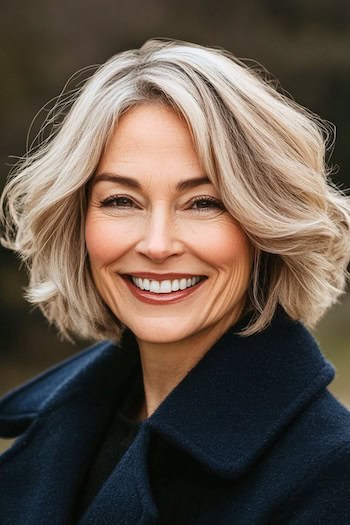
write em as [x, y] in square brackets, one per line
[161, 233]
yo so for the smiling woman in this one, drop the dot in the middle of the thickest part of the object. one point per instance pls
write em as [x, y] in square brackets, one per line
[164, 229]
[157, 232]
[182, 213]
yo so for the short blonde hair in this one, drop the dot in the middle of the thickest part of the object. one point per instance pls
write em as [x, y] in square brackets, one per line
[263, 152]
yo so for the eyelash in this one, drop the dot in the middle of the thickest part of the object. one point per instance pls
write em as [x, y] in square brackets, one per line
[110, 202]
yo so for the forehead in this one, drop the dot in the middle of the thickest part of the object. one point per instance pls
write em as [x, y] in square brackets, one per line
[157, 119]
[149, 135]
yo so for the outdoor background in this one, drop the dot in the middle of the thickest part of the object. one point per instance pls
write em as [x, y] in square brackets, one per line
[305, 44]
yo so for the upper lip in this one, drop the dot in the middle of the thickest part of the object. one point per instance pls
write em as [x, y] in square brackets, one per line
[163, 276]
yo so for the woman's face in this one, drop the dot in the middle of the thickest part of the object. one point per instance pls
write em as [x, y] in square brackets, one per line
[155, 222]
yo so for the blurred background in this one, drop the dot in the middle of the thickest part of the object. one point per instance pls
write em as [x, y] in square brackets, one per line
[305, 44]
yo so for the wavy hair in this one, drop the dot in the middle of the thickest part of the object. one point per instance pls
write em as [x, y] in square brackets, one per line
[263, 152]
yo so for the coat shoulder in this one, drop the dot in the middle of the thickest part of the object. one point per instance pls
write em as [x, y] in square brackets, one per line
[319, 434]
[22, 404]
[328, 423]
[318, 465]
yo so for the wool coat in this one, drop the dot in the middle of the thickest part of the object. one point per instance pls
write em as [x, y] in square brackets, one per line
[259, 437]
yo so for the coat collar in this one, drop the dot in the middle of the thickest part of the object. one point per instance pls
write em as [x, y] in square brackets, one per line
[225, 412]
[243, 393]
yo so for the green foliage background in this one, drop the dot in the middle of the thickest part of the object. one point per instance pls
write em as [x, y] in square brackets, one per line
[305, 44]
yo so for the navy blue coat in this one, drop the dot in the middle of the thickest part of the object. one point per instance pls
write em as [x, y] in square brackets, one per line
[254, 415]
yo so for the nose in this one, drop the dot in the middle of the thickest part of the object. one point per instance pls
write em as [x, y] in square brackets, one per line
[160, 237]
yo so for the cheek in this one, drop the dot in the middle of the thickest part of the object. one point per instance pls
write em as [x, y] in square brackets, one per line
[236, 251]
[227, 246]
[105, 242]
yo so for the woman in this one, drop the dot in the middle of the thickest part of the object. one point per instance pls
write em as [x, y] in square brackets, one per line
[181, 213]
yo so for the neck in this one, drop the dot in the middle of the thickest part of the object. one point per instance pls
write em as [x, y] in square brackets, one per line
[164, 365]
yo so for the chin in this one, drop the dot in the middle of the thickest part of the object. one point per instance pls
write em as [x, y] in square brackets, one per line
[160, 332]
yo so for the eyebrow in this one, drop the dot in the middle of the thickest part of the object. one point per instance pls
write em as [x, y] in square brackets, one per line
[183, 185]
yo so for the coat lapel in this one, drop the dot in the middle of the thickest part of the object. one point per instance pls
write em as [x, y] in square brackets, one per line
[126, 496]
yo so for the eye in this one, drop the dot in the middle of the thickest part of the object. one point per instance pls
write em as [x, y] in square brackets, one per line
[207, 203]
[117, 201]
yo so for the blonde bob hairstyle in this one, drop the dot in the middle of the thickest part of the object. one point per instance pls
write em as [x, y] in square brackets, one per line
[263, 152]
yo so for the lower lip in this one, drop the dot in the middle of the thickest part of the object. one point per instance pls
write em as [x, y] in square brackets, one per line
[161, 298]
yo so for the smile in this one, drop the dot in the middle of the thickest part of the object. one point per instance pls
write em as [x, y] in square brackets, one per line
[163, 292]
[166, 286]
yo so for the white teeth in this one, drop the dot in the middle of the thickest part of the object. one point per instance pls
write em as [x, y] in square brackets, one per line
[175, 285]
[183, 284]
[166, 286]
[154, 287]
